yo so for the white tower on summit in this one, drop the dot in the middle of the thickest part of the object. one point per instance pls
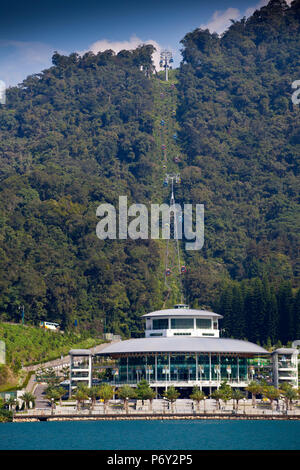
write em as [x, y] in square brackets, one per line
[165, 60]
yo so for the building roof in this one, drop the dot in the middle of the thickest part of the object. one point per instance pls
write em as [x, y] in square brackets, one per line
[80, 352]
[182, 312]
[184, 345]
[286, 351]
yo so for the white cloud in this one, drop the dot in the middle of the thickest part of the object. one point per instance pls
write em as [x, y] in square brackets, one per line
[251, 10]
[18, 59]
[21, 59]
[117, 46]
[220, 21]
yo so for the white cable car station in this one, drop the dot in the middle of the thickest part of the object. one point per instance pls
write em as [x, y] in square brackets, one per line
[182, 347]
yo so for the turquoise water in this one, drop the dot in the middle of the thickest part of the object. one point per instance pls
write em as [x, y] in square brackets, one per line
[151, 435]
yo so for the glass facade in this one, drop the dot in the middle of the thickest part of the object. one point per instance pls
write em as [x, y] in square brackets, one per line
[175, 367]
[182, 323]
[203, 323]
[160, 324]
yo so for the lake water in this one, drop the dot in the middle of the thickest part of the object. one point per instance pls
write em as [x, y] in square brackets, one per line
[151, 435]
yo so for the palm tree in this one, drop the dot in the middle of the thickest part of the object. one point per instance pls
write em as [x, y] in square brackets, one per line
[60, 391]
[81, 395]
[150, 395]
[106, 393]
[226, 391]
[289, 394]
[217, 395]
[94, 393]
[271, 393]
[171, 394]
[197, 395]
[125, 393]
[11, 402]
[28, 398]
[237, 395]
[255, 389]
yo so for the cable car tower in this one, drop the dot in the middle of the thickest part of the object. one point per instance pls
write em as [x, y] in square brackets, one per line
[166, 59]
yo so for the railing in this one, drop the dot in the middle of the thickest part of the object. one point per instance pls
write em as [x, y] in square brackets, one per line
[181, 383]
[160, 407]
[286, 365]
[81, 366]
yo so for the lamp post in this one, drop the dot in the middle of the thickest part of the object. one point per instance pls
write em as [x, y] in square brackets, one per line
[244, 400]
[204, 401]
[21, 307]
[165, 371]
[228, 372]
[138, 372]
[164, 404]
[150, 371]
[201, 372]
[218, 373]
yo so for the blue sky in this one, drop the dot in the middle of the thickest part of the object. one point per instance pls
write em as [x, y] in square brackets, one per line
[31, 30]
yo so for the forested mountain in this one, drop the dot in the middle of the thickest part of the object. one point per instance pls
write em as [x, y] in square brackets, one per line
[72, 137]
[82, 133]
[240, 132]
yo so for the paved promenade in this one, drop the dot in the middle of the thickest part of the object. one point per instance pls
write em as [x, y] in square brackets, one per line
[182, 409]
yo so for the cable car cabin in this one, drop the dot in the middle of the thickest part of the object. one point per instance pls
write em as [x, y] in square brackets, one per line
[47, 325]
[171, 61]
[183, 269]
[165, 183]
[168, 272]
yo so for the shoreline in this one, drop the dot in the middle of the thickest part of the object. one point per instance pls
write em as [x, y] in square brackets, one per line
[207, 416]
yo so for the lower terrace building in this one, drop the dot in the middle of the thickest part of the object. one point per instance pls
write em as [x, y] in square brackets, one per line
[182, 348]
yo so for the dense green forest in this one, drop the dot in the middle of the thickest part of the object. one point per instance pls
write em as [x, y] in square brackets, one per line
[72, 137]
[84, 132]
[240, 132]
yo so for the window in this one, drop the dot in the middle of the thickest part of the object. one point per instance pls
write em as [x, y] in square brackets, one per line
[155, 334]
[182, 323]
[203, 323]
[161, 324]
